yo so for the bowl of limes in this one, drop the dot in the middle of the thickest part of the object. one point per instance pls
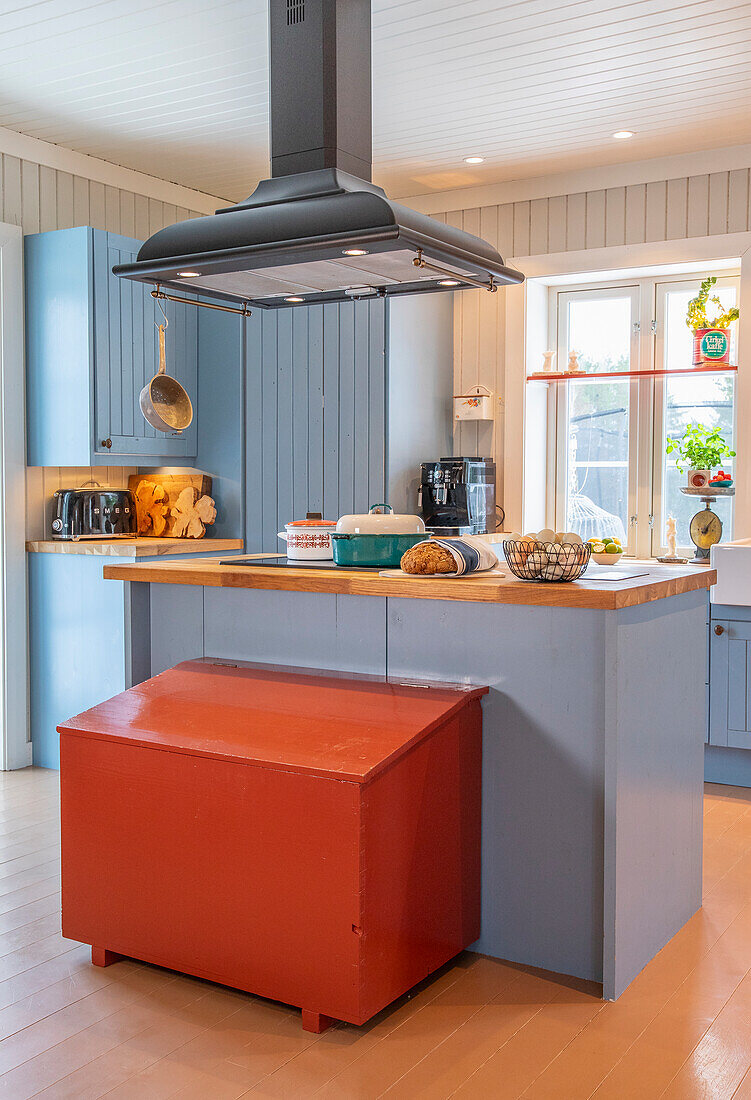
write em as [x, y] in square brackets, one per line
[606, 550]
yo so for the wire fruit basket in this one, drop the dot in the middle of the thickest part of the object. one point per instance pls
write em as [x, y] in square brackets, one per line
[546, 561]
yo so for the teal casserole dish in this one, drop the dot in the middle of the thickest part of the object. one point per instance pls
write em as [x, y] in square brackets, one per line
[377, 538]
[381, 551]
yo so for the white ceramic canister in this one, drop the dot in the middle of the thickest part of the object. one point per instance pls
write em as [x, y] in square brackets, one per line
[308, 539]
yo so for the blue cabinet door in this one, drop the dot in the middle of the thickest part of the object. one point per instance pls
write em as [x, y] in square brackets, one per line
[91, 346]
[59, 347]
[730, 680]
[126, 357]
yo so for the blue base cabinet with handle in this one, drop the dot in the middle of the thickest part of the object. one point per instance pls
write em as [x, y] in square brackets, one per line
[91, 346]
[727, 759]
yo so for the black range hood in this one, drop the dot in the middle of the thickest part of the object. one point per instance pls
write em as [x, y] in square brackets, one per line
[318, 230]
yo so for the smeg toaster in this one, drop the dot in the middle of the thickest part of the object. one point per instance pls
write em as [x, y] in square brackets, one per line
[94, 514]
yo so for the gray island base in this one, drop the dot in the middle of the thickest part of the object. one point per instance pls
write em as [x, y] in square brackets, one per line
[593, 730]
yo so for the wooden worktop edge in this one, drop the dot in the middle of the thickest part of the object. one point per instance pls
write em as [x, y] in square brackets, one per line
[138, 547]
[207, 573]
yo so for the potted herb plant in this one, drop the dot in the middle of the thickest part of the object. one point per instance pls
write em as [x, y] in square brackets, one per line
[711, 337]
[701, 449]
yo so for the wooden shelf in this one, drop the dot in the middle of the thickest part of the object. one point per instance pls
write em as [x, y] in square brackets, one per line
[554, 376]
[143, 547]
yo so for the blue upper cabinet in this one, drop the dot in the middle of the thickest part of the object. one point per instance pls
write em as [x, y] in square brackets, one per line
[91, 346]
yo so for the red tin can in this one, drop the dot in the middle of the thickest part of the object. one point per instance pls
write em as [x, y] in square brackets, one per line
[711, 345]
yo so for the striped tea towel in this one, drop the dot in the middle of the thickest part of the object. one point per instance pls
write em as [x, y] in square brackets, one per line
[471, 553]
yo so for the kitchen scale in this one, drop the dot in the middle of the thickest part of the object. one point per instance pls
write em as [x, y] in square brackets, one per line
[705, 528]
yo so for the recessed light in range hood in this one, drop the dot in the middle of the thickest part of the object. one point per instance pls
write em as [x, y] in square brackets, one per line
[316, 231]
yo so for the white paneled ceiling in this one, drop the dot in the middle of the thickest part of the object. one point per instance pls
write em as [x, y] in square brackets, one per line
[179, 88]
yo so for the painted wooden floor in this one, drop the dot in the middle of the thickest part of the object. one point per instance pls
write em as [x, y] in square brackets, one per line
[480, 1028]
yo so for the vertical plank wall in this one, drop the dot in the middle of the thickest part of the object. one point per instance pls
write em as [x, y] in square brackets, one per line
[315, 431]
[675, 209]
[39, 198]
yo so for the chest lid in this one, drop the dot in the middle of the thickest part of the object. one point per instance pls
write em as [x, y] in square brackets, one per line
[330, 724]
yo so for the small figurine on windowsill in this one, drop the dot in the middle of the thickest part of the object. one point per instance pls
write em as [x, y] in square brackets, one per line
[670, 538]
[573, 364]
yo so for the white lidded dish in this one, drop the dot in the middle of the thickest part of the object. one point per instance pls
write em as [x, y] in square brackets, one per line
[308, 539]
[380, 520]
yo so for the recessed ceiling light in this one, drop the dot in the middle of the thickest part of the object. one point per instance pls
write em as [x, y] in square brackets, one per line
[448, 282]
[621, 135]
[474, 160]
[189, 274]
[293, 299]
[355, 252]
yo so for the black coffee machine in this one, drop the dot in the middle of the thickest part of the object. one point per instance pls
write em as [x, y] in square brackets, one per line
[457, 496]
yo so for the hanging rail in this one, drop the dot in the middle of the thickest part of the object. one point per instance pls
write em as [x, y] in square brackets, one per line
[159, 294]
[490, 285]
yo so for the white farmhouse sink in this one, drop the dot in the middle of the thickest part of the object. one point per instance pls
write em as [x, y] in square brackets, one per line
[732, 560]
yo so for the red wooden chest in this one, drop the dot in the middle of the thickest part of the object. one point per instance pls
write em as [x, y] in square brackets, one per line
[310, 838]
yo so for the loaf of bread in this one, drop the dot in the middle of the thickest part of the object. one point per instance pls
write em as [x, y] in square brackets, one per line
[427, 558]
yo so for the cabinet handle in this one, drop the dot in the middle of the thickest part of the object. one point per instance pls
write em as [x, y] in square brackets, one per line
[107, 443]
[719, 629]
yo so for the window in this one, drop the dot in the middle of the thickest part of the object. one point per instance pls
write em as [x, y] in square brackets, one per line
[611, 474]
[595, 453]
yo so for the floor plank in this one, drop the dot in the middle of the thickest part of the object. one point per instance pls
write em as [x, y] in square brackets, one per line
[481, 1028]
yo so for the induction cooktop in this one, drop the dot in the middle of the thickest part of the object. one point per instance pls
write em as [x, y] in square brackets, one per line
[272, 561]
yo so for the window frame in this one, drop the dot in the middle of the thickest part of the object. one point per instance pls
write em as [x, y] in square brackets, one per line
[559, 419]
[662, 287]
[646, 405]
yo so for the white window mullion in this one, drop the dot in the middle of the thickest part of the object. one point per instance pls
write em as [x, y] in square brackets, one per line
[658, 418]
[643, 400]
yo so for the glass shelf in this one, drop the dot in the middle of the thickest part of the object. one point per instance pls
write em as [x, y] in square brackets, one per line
[555, 376]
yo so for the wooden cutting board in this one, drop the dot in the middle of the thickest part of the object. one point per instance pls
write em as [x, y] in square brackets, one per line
[173, 485]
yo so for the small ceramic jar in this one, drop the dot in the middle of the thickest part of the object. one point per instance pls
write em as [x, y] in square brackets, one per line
[308, 539]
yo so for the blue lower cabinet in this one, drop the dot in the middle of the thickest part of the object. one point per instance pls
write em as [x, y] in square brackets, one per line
[729, 705]
[77, 640]
[729, 696]
[76, 643]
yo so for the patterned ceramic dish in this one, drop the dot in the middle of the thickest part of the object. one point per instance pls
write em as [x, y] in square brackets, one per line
[308, 539]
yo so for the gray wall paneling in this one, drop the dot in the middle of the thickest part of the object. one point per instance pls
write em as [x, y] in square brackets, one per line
[301, 629]
[305, 629]
[662, 210]
[219, 413]
[543, 766]
[176, 621]
[315, 407]
[605, 772]
[420, 390]
[653, 802]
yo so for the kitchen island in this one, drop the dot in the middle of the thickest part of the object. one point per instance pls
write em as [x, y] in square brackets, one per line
[593, 731]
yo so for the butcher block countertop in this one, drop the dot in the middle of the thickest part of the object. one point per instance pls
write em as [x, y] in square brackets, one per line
[660, 582]
[133, 548]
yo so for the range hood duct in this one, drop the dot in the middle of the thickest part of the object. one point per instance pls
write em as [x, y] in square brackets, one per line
[318, 230]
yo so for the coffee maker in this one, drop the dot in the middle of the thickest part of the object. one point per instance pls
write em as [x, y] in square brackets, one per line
[457, 496]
